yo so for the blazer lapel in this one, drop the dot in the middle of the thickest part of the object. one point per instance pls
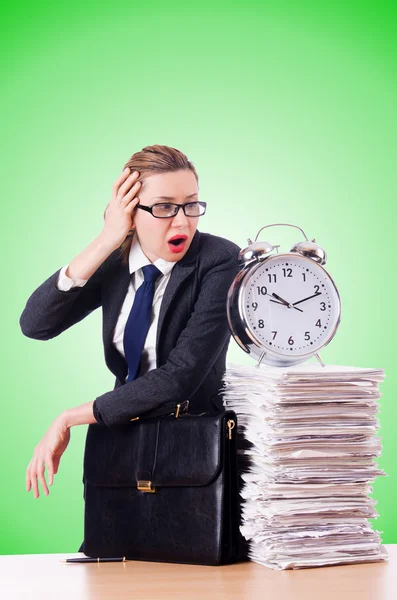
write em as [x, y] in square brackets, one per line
[117, 287]
[179, 273]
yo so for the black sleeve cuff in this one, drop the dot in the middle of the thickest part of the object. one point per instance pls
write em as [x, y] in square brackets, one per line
[97, 414]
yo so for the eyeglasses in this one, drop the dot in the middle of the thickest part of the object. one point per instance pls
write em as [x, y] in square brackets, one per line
[169, 209]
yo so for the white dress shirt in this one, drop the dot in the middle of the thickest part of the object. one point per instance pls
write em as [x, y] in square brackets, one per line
[137, 260]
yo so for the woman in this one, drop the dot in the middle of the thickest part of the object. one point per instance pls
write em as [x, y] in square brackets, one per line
[183, 347]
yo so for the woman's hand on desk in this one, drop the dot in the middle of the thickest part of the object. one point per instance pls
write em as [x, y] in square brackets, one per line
[48, 451]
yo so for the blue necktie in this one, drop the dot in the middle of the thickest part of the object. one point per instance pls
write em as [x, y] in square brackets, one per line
[138, 321]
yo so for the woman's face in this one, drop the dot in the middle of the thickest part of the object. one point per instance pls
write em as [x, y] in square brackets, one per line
[153, 233]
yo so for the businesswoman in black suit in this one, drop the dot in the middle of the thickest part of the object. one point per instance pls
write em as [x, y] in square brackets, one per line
[185, 349]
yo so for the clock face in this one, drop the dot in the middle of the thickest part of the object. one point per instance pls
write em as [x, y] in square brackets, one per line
[290, 305]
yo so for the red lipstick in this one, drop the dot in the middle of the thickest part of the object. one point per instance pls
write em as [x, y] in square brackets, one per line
[177, 243]
[177, 237]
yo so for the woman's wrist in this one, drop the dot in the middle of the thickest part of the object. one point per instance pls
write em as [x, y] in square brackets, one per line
[108, 243]
[91, 258]
[79, 415]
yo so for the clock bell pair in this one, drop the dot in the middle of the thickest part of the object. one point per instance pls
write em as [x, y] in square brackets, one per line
[283, 308]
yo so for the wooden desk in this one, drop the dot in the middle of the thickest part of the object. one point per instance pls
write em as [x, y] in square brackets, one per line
[43, 577]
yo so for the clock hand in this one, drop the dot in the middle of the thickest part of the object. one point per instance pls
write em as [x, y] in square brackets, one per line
[276, 301]
[281, 299]
[284, 302]
[308, 298]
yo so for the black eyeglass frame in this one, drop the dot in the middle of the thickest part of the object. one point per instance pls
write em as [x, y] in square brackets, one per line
[150, 209]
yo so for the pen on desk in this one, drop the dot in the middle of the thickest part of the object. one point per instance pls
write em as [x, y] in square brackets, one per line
[96, 560]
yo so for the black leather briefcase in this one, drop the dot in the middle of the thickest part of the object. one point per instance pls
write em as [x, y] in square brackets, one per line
[165, 489]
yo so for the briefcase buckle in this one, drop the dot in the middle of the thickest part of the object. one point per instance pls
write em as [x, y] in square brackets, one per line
[184, 405]
[145, 486]
[182, 408]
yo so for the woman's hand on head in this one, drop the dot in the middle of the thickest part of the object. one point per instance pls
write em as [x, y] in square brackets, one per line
[118, 213]
[47, 452]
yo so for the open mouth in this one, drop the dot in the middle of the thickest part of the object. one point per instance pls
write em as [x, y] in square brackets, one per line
[177, 244]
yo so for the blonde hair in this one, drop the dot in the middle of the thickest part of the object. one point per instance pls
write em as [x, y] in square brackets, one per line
[149, 161]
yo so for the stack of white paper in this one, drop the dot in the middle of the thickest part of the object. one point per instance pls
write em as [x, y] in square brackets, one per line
[307, 462]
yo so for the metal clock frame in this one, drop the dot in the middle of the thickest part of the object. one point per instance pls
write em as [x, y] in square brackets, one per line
[238, 324]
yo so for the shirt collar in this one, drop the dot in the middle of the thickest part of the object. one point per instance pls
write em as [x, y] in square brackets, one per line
[137, 259]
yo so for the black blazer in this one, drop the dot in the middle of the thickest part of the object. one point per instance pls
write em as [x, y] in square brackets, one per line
[192, 335]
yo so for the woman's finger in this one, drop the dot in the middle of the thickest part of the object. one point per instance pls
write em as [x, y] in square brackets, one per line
[50, 470]
[56, 460]
[40, 472]
[125, 200]
[33, 478]
[28, 483]
[123, 189]
[131, 206]
[115, 187]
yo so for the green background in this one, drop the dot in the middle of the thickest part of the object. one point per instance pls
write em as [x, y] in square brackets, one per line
[287, 111]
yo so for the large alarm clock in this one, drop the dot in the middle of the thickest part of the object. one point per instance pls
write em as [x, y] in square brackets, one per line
[283, 308]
